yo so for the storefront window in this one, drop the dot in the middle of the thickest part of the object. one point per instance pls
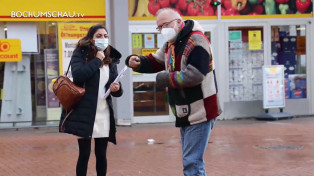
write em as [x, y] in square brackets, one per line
[289, 49]
[246, 58]
[47, 40]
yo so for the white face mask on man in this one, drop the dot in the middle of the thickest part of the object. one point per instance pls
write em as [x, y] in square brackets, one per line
[101, 44]
[168, 33]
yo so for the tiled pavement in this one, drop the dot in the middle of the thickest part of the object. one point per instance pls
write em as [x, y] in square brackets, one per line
[236, 148]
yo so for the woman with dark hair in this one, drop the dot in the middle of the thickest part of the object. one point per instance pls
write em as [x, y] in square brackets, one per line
[94, 67]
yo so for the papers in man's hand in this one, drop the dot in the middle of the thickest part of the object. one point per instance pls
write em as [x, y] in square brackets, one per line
[120, 75]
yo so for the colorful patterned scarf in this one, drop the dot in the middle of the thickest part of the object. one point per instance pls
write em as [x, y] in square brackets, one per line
[171, 57]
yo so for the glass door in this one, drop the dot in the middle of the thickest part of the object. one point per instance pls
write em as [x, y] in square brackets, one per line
[149, 102]
[148, 99]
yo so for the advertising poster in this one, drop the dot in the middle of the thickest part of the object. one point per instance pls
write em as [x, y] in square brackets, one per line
[40, 83]
[137, 41]
[255, 40]
[235, 35]
[69, 34]
[52, 72]
[149, 8]
[268, 8]
[149, 41]
[273, 86]
[230, 9]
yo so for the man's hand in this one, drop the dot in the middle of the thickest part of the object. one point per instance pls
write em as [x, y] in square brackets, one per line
[162, 80]
[134, 62]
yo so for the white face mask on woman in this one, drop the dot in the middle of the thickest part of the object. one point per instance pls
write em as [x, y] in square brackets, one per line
[168, 33]
[101, 44]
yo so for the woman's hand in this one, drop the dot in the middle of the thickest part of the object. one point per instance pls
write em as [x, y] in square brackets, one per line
[100, 55]
[114, 87]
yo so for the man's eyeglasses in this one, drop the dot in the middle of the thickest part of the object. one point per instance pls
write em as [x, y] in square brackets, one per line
[159, 28]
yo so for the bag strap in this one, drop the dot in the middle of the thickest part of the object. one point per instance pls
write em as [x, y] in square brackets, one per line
[62, 125]
[70, 65]
[68, 68]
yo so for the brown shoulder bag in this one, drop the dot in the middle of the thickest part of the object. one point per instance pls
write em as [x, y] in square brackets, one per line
[68, 93]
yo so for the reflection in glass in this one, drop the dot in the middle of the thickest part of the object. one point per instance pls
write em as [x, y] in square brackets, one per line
[149, 100]
[288, 48]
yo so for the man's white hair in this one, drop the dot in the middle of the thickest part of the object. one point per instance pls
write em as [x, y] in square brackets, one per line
[172, 11]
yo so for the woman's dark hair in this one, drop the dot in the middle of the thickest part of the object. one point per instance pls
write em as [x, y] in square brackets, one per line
[87, 41]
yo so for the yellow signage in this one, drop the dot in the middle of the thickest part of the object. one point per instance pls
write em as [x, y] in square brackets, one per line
[2, 94]
[255, 40]
[137, 41]
[146, 52]
[10, 50]
[56, 10]
[273, 70]
[68, 36]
